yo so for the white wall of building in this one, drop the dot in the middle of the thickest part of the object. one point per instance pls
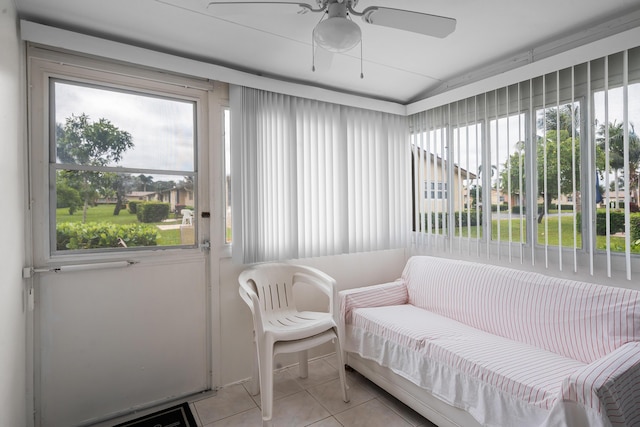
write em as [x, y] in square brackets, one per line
[12, 227]
[234, 352]
[350, 271]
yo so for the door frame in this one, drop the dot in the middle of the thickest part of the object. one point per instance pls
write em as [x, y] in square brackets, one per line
[43, 63]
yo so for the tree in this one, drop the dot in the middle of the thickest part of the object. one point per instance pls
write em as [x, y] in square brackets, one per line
[548, 169]
[494, 170]
[83, 142]
[477, 188]
[510, 177]
[145, 180]
[475, 192]
[616, 153]
[554, 171]
[66, 196]
[567, 116]
[118, 185]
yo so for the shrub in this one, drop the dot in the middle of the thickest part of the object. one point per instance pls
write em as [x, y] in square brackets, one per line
[436, 220]
[133, 206]
[76, 235]
[633, 207]
[152, 211]
[616, 222]
[503, 207]
[68, 197]
[635, 226]
[516, 209]
[555, 207]
[473, 219]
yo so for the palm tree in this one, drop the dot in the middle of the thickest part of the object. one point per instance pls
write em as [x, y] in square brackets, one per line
[568, 114]
[145, 180]
[478, 186]
[616, 153]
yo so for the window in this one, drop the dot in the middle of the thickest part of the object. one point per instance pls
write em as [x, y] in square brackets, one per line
[553, 176]
[467, 152]
[617, 153]
[437, 190]
[558, 166]
[429, 155]
[314, 179]
[506, 180]
[122, 168]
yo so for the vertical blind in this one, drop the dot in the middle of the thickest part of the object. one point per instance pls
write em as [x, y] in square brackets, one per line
[544, 171]
[311, 178]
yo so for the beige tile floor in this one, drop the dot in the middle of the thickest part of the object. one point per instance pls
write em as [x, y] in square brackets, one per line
[314, 401]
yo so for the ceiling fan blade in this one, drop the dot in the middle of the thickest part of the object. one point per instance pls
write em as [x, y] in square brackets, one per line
[226, 8]
[416, 22]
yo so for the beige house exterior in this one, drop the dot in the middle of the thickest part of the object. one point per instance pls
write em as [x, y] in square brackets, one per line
[434, 186]
[176, 197]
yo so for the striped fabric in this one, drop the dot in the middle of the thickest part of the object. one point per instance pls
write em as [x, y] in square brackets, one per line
[610, 385]
[577, 320]
[392, 293]
[522, 371]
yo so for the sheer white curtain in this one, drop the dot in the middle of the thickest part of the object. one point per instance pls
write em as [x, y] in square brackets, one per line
[311, 178]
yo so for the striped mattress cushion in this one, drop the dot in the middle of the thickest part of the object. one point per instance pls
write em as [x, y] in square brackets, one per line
[522, 371]
[581, 321]
[392, 293]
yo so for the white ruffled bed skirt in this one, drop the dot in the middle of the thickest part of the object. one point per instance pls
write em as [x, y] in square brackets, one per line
[486, 404]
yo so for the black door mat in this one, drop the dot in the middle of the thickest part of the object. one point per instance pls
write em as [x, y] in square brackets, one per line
[176, 416]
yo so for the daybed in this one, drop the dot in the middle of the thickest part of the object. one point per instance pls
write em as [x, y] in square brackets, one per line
[473, 344]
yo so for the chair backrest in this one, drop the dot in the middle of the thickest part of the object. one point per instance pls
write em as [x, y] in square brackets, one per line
[268, 288]
[187, 216]
[272, 284]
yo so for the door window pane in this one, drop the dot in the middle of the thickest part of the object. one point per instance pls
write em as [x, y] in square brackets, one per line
[123, 167]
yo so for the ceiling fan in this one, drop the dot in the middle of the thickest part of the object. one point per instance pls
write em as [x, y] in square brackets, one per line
[337, 32]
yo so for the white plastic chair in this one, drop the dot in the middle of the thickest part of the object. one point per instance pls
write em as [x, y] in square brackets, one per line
[187, 216]
[280, 328]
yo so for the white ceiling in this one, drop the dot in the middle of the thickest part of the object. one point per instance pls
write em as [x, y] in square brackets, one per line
[398, 66]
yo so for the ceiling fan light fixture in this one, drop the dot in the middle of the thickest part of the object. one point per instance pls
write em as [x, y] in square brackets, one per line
[337, 34]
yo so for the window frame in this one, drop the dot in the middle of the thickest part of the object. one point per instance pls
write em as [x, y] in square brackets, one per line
[47, 66]
[575, 250]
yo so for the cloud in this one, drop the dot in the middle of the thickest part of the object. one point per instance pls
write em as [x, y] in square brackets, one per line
[162, 129]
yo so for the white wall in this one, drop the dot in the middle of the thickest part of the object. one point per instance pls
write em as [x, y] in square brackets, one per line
[349, 271]
[12, 226]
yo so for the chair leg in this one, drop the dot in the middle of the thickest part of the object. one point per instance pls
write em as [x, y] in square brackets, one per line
[303, 364]
[254, 389]
[266, 382]
[343, 376]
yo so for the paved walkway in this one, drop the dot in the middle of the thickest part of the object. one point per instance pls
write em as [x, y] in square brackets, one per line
[169, 227]
[175, 224]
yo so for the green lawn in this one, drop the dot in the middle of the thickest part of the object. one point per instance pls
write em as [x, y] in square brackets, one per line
[553, 236]
[104, 213]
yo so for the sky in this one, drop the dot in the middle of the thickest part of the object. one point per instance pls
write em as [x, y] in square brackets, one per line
[162, 129]
[468, 153]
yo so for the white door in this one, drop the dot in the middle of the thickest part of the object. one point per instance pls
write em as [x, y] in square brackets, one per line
[122, 312]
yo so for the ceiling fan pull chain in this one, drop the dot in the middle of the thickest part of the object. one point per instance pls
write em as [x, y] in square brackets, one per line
[313, 55]
[361, 66]
[313, 44]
